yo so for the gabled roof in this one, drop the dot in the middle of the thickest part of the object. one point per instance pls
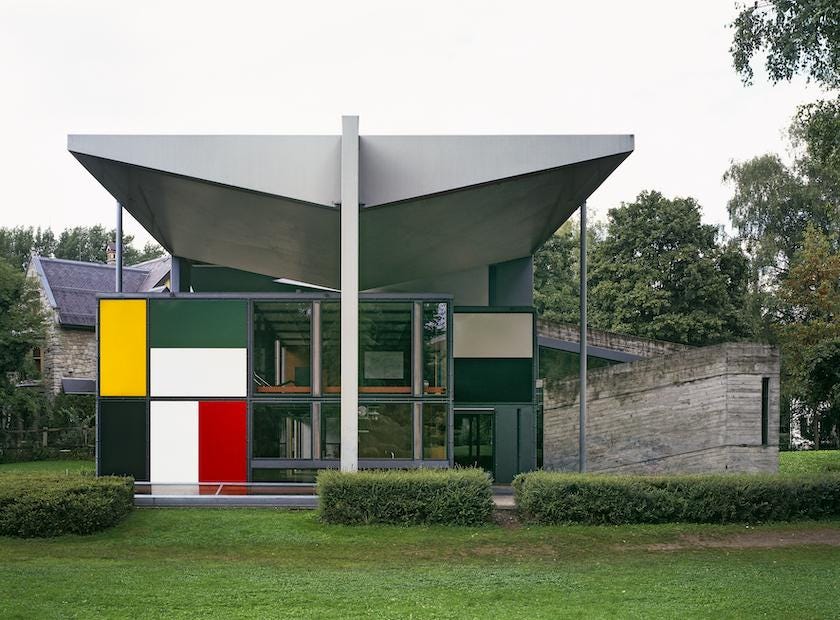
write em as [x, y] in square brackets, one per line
[71, 286]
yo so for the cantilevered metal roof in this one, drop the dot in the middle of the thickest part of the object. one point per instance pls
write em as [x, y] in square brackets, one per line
[430, 204]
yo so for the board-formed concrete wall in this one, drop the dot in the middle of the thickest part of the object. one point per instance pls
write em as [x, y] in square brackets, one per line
[693, 411]
[641, 347]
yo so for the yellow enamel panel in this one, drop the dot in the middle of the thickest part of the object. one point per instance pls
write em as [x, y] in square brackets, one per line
[122, 347]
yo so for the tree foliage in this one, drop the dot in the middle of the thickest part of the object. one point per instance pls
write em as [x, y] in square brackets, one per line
[796, 36]
[22, 321]
[661, 273]
[809, 328]
[85, 243]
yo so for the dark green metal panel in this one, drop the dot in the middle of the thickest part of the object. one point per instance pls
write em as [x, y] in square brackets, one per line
[196, 323]
[122, 437]
[506, 448]
[526, 438]
[484, 380]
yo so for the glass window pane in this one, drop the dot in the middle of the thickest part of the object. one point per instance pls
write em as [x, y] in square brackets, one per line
[435, 422]
[385, 348]
[330, 347]
[282, 347]
[282, 431]
[434, 348]
[330, 431]
[385, 431]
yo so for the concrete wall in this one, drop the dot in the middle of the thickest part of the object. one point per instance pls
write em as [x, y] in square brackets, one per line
[693, 411]
[643, 347]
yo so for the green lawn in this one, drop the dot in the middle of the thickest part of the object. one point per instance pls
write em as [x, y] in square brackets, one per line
[240, 562]
[809, 461]
[48, 467]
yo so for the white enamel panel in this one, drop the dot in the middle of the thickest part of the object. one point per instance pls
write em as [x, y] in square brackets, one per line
[493, 334]
[174, 441]
[199, 373]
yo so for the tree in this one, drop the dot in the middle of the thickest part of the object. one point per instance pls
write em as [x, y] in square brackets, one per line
[22, 327]
[797, 36]
[660, 273]
[89, 243]
[19, 243]
[555, 277]
[809, 332]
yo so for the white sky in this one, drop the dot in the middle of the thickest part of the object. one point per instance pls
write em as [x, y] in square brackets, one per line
[658, 69]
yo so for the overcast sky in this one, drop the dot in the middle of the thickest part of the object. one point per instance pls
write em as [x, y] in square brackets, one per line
[658, 69]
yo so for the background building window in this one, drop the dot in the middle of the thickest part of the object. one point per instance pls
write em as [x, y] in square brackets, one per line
[282, 347]
[434, 347]
[435, 423]
[385, 348]
[282, 431]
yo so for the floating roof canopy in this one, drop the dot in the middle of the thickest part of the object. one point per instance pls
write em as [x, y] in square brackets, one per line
[430, 204]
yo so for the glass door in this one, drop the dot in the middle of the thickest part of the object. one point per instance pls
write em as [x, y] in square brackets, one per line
[474, 438]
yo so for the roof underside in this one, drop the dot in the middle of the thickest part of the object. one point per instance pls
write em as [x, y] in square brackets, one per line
[431, 204]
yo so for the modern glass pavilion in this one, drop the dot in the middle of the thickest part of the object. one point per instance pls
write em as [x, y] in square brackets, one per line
[336, 300]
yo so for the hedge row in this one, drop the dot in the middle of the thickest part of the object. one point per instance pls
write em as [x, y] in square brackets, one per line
[555, 498]
[41, 506]
[424, 496]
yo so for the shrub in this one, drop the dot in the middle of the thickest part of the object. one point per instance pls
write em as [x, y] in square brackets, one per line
[41, 506]
[406, 497]
[556, 498]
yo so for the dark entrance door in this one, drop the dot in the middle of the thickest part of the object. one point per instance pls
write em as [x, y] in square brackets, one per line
[474, 438]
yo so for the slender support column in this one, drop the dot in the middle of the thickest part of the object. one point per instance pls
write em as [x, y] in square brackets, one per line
[583, 347]
[174, 274]
[349, 293]
[118, 246]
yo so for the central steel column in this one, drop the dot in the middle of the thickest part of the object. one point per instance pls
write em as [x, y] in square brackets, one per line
[118, 248]
[349, 293]
[583, 347]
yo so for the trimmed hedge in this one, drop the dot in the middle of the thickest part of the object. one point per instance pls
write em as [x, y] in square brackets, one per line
[556, 498]
[406, 497]
[42, 506]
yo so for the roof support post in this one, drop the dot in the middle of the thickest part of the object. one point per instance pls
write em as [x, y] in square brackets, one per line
[174, 274]
[583, 347]
[118, 247]
[349, 293]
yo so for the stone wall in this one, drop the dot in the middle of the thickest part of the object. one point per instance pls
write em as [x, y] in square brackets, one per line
[642, 347]
[694, 411]
[67, 352]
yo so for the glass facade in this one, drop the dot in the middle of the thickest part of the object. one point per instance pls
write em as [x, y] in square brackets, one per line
[330, 347]
[435, 346]
[385, 348]
[404, 366]
[385, 431]
[282, 431]
[435, 425]
[282, 347]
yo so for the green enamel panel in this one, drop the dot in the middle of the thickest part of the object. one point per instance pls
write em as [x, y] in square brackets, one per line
[122, 438]
[198, 323]
[488, 380]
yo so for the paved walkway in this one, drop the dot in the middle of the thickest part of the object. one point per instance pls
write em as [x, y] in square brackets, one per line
[285, 495]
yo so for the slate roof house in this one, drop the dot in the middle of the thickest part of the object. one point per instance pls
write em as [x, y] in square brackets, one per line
[69, 290]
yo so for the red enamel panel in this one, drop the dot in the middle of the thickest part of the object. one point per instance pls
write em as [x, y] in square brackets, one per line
[222, 441]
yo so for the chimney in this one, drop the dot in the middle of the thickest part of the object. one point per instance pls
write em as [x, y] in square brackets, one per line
[111, 253]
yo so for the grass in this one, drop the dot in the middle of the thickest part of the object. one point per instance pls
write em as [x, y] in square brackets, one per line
[272, 563]
[252, 563]
[809, 461]
[48, 467]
